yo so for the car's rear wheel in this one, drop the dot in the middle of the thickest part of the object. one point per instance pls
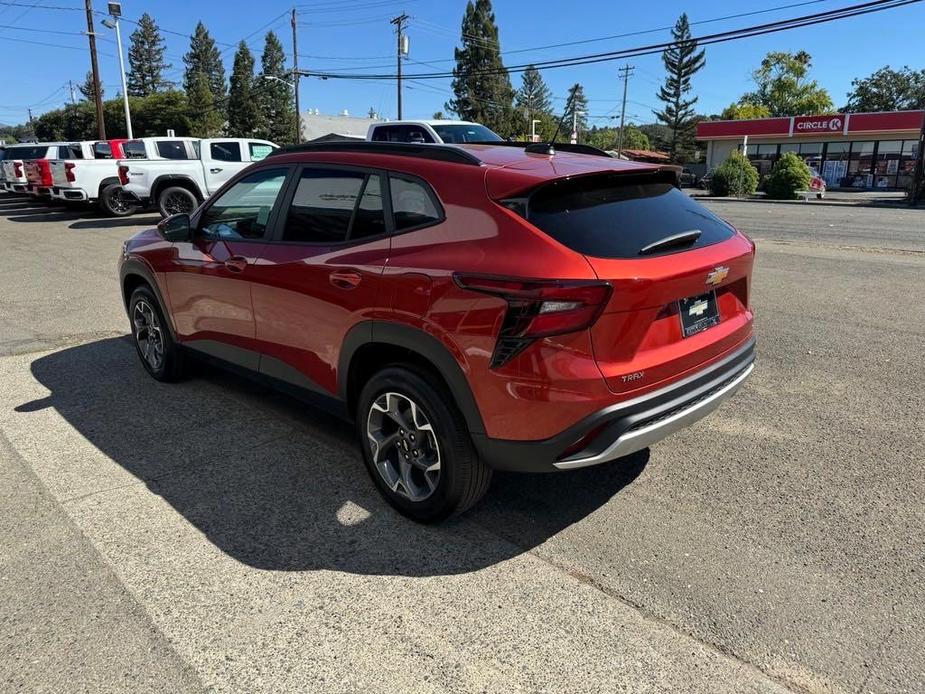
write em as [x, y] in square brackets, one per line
[176, 200]
[416, 445]
[116, 203]
[159, 354]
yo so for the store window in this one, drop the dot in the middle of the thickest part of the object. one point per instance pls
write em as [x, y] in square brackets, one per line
[886, 163]
[762, 158]
[860, 164]
[811, 153]
[835, 168]
[906, 164]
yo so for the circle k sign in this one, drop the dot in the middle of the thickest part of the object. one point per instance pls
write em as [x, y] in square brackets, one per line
[809, 125]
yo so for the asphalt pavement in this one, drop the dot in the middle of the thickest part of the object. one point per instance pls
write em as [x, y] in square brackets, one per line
[212, 535]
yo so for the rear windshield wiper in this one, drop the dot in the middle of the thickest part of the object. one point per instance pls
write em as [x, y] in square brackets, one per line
[685, 238]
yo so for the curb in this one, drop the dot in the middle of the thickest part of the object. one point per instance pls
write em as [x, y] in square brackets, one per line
[903, 205]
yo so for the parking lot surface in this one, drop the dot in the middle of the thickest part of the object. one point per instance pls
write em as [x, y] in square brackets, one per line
[214, 536]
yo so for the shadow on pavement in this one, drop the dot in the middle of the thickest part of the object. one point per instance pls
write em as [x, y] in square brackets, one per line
[83, 216]
[278, 485]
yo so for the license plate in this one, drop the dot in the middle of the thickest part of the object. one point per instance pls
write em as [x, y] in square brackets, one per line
[698, 313]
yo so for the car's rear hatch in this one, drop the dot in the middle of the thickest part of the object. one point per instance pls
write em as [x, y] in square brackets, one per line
[680, 274]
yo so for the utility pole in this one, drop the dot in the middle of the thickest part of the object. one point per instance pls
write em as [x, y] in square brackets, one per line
[402, 48]
[627, 70]
[918, 179]
[70, 84]
[295, 79]
[100, 125]
[31, 124]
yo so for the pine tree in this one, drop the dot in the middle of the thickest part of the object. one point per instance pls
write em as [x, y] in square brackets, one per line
[243, 110]
[533, 100]
[146, 59]
[576, 103]
[277, 115]
[481, 85]
[204, 57]
[682, 60]
[87, 88]
[205, 119]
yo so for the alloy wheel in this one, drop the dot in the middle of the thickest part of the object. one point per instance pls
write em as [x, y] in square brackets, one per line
[404, 446]
[177, 203]
[149, 335]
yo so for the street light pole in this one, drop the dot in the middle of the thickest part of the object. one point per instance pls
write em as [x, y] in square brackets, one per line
[533, 130]
[115, 10]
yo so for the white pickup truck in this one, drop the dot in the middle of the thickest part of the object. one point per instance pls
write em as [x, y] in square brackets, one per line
[175, 174]
[88, 170]
[14, 167]
[426, 131]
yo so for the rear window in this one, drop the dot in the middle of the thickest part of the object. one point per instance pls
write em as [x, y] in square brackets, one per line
[172, 149]
[27, 152]
[616, 216]
[102, 150]
[134, 149]
[453, 134]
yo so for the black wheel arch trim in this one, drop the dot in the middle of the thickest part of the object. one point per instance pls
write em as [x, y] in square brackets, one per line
[165, 180]
[419, 342]
[136, 267]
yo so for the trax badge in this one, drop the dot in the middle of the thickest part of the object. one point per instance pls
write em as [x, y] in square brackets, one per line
[717, 275]
[698, 308]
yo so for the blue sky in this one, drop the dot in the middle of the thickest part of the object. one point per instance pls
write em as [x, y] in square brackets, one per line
[344, 35]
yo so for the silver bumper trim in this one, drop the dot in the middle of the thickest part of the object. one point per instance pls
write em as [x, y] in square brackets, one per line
[637, 439]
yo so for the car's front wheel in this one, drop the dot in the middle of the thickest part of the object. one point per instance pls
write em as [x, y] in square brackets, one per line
[416, 445]
[159, 354]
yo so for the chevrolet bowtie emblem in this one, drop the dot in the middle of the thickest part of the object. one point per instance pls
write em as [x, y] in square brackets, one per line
[717, 275]
[698, 308]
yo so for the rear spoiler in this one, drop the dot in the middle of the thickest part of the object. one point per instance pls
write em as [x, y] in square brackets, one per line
[511, 187]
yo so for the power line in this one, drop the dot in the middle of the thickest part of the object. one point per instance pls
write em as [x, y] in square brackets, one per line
[720, 37]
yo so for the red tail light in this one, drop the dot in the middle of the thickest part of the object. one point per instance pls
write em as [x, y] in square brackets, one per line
[45, 172]
[123, 175]
[539, 308]
[69, 172]
[17, 169]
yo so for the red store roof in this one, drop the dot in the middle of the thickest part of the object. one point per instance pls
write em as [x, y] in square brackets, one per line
[797, 126]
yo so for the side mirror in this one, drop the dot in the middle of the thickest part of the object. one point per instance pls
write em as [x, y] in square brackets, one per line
[175, 228]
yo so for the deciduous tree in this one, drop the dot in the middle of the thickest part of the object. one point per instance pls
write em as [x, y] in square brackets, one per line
[745, 112]
[784, 87]
[888, 90]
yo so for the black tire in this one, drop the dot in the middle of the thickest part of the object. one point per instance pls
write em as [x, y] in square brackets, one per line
[174, 200]
[171, 366]
[463, 478]
[115, 203]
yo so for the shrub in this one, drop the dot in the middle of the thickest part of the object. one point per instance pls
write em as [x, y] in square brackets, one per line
[734, 177]
[789, 175]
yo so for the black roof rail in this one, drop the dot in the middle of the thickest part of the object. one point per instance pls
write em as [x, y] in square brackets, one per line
[544, 147]
[436, 152]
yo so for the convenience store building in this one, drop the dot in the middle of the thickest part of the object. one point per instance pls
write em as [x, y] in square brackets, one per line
[849, 150]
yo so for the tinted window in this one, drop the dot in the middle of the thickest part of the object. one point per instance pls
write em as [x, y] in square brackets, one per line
[412, 204]
[385, 133]
[102, 150]
[369, 219]
[2, 154]
[259, 150]
[134, 149]
[225, 151]
[323, 205]
[402, 133]
[172, 149]
[73, 151]
[616, 216]
[243, 211]
[465, 133]
[27, 152]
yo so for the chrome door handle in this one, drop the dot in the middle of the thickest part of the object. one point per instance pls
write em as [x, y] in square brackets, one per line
[215, 170]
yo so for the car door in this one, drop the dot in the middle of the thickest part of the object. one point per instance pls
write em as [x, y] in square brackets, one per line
[221, 161]
[321, 273]
[208, 281]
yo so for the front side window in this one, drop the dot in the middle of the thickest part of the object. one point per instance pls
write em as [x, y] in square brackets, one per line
[412, 205]
[172, 149]
[332, 206]
[259, 150]
[243, 211]
[225, 151]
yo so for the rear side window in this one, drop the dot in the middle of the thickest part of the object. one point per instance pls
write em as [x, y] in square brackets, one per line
[225, 151]
[102, 150]
[616, 216]
[331, 206]
[27, 152]
[134, 149]
[412, 204]
[402, 133]
[172, 149]
[70, 152]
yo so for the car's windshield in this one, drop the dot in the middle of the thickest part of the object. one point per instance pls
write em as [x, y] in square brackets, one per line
[465, 133]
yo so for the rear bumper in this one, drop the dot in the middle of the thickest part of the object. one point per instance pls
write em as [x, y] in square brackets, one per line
[69, 194]
[629, 426]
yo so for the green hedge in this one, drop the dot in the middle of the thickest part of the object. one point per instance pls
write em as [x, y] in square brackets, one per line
[789, 175]
[734, 177]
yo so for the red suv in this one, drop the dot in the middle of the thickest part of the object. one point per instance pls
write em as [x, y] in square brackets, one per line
[471, 307]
